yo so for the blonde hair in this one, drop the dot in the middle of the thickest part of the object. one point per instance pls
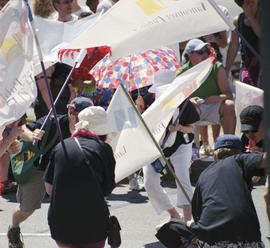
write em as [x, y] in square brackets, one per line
[43, 8]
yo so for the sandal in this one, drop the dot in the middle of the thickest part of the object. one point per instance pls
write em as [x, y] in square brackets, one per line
[7, 187]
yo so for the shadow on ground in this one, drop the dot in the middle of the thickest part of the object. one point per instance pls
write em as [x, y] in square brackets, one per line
[154, 245]
[131, 196]
[11, 197]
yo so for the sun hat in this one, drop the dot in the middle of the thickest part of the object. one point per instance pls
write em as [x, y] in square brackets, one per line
[228, 141]
[94, 119]
[251, 117]
[194, 45]
[161, 77]
[79, 103]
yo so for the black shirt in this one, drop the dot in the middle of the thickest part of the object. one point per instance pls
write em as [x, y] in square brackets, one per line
[222, 205]
[58, 78]
[64, 125]
[189, 116]
[78, 213]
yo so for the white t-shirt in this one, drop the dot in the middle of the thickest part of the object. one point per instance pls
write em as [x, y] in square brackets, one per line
[55, 17]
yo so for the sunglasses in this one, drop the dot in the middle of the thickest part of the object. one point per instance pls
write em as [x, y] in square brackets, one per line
[201, 52]
[246, 132]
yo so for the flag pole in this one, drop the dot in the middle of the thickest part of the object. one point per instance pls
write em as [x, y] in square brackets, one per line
[78, 60]
[44, 72]
[234, 29]
[168, 162]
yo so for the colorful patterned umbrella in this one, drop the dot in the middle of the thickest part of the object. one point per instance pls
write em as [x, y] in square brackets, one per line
[133, 71]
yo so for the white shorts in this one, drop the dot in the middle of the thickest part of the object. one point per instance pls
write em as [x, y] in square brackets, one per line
[209, 113]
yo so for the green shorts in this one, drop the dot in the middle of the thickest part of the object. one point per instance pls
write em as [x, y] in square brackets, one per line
[30, 194]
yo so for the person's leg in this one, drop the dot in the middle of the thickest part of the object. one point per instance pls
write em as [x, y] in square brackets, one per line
[181, 160]
[30, 196]
[204, 134]
[227, 113]
[62, 245]
[19, 216]
[266, 197]
[215, 131]
[205, 149]
[156, 194]
[100, 244]
[4, 166]
[6, 186]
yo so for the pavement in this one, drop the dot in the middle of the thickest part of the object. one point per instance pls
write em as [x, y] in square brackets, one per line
[133, 209]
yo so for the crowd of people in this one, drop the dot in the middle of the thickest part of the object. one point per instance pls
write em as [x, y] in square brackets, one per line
[218, 213]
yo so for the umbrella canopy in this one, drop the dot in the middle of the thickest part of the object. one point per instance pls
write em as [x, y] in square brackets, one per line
[133, 71]
[94, 54]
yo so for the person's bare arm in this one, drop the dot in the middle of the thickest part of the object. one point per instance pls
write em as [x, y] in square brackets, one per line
[184, 129]
[263, 162]
[220, 40]
[223, 84]
[8, 139]
[48, 188]
[233, 47]
[253, 19]
[30, 136]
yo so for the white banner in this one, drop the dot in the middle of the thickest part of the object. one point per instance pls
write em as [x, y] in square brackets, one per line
[158, 115]
[134, 26]
[17, 85]
[246, 95]
[55, 35]
[132, 145]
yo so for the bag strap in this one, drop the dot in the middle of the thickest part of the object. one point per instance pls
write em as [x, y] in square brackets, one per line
[88, 165]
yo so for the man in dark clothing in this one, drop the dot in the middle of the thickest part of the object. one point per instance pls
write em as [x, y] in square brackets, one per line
[85, 172]
[222, 205]
[251, 119]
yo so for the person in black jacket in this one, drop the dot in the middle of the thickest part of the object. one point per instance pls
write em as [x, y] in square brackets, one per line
[78, 179]
[222, 205]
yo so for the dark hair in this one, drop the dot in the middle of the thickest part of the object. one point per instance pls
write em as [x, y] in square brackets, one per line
[226, 152]
[239, 2]
[103, 137]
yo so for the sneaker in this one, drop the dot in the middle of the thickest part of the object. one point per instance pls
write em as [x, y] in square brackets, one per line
[170, 219]
[206, 150]
[134, 184]
[14, 237]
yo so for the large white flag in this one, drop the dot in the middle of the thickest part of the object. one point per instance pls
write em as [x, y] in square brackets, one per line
[17, 85]
[54, 35]
[130, 137]
[132, 145]
[246, 95]
[133, 26]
